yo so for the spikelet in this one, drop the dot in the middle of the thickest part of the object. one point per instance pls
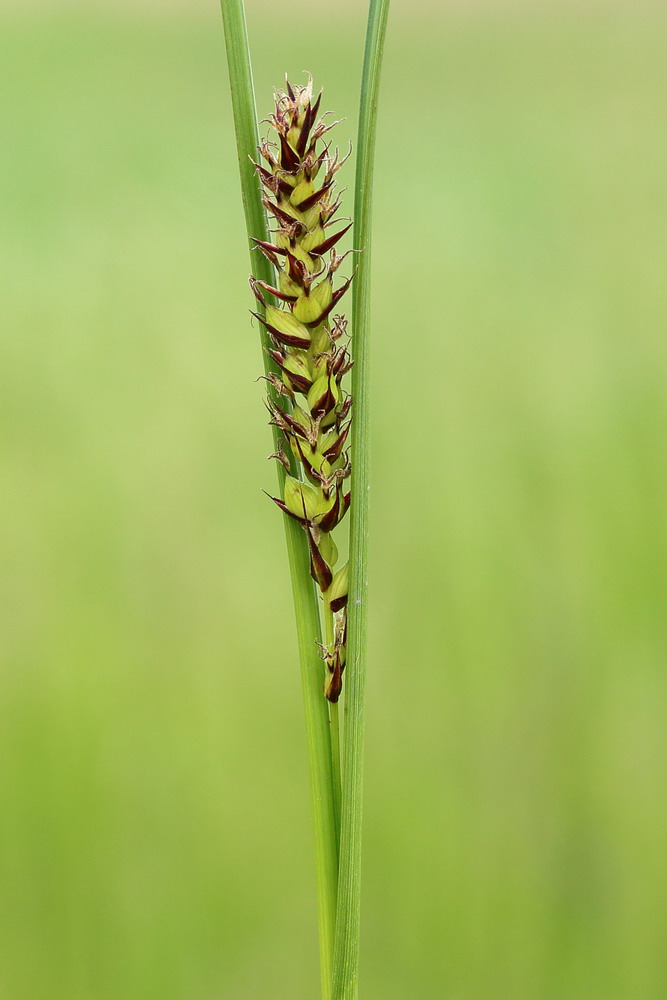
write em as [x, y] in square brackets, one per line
[310, 405]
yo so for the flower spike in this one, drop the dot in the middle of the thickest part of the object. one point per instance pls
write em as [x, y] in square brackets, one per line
[310, 358]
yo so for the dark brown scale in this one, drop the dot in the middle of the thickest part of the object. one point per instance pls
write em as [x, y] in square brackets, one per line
[269, 248]
[276, 293]
[288, 158]
[319, 568]
[292, 224]
[307, 203]
[334, 452]
[327, 244]
[297, 269]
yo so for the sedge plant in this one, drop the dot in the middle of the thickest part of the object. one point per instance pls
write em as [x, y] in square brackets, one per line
[316, 365]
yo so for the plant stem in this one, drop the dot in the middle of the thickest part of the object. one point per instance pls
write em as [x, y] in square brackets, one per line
[333, 718]
[336, 760]
[346, 951]
[305, 600]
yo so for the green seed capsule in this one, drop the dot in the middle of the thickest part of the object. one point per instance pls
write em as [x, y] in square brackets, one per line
[307, 309]
[320, 366]
[313, 238]
[301, 498]
[320, 342]
[293, 136]
[325, 506]
[323, 395]
[303, 190]
[301, 417]
[323, 294]
[337, 595]
[292, 331]
[303, 420]
[299, 252]
[328, 440]
[286, 285]
[328, 548]
[311, 218]
[314, 463]
[297, 364]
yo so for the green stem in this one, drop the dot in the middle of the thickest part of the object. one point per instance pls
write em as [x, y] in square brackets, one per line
[329, 636]
[346, 951]
[336, 760]
[305, 600]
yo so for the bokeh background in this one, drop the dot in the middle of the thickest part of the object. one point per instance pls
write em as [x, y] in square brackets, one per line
[155, 837]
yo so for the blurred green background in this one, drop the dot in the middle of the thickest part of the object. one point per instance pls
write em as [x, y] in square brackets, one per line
[155, 837]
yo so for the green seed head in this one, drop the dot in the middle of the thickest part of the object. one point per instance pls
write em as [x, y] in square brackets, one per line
[307, 339]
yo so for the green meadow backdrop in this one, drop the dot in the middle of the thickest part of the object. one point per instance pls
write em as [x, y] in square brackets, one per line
[155, 837]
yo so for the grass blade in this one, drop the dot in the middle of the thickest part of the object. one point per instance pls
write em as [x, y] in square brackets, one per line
[305, 600]
[346, 952]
